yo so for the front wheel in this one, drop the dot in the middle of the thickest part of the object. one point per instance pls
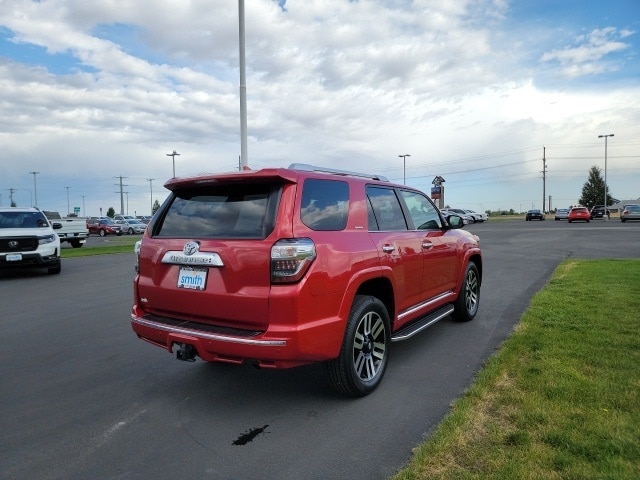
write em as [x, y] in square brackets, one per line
[466, 305]
[359, 368]
[102, 233]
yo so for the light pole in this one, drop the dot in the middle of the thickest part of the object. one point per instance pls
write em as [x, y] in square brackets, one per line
[150, 180]
[173, 156]
[404, 167]
[606, 137]
[35, 190]
[68, 208]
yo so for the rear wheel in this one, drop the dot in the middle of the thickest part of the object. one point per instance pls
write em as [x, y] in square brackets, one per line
[359, 368]
[468, 300]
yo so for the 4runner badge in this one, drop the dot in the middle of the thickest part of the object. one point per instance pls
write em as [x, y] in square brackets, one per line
[190, 248]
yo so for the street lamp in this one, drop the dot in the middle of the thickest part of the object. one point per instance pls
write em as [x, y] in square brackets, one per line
[173, 156]
[35, 190]
[404, 167]
[606, 137]
[150, 180]
[68, 208]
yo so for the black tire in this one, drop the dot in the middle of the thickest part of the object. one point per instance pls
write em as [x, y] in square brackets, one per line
[466, 305]
[102, 233]
[364, 354]
[76, 243]
[57, 269]
[130, 231]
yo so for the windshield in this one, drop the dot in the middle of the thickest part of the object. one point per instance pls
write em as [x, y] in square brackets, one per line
[23, 220]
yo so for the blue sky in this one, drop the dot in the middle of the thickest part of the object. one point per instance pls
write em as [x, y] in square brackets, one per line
[472, 90]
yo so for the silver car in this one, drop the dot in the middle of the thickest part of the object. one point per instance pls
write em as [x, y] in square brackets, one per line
[630, 212]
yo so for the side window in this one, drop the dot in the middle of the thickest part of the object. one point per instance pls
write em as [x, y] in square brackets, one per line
[386, 209]
[325, 204]
[424, 215]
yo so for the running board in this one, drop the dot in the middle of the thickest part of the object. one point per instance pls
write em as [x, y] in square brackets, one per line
[410, 330]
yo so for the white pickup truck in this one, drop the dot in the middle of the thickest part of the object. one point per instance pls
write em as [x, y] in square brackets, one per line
[72, 229]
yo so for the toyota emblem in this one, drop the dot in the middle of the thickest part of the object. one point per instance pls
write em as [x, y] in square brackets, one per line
[190, 248]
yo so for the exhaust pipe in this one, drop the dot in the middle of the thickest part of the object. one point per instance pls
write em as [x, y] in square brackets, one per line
[186, 352]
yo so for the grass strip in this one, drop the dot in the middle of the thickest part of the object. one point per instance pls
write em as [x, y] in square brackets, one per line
[117, 245]
[561, 398]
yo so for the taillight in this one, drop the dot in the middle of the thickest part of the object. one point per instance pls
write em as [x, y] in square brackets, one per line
[291, 258]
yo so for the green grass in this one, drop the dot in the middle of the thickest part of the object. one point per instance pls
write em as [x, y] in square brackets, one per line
[116, 245]
[561, 398]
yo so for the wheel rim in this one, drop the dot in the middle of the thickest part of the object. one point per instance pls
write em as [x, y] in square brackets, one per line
[369, 346]
[471, 291]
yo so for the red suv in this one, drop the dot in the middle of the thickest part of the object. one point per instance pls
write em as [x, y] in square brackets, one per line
[284, 267]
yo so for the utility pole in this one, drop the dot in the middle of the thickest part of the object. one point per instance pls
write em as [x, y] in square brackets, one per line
[544, 178]
[122, 194]
[404, 167]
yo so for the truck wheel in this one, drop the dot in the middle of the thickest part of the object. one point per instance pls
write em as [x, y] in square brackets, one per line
[363, 357]
[466, 305]
[76, 243]
[102, 233]
[57, 269]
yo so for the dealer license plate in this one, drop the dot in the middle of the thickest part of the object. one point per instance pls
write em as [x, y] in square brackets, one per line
[14, 257]
[192, 277]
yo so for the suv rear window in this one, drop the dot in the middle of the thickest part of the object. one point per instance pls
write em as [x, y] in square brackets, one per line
[221, 211]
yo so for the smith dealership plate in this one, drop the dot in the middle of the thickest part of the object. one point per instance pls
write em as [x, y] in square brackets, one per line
[192, 277]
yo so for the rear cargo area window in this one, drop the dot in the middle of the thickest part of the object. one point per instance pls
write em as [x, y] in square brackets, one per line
[221, 211]
[325, 204]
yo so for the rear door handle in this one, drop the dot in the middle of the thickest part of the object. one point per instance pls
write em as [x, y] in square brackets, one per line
[388, 248]
[427, 245]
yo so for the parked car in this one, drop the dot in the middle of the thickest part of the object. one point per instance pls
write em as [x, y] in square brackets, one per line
[597, 211]
[131, 226]
[477, 216]
[28, 240]
[534, 215]
[630, 212]
[144, 219]
[287, 266]
[458, 211]
[103, 226]
[579, 213]
[562, 214]
[123, 217]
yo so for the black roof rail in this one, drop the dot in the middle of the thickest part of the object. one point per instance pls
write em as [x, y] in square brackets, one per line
[305, 167]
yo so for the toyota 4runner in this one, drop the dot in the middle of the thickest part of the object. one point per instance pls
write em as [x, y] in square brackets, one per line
[284, 267]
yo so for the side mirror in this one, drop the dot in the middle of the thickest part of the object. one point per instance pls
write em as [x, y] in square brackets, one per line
[455, 221]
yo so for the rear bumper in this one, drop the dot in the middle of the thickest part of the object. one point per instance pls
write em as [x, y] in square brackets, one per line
[279, 347]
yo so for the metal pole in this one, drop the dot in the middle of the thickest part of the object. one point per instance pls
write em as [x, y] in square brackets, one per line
[35, 190]
[173, 157]
[244, 162]
[150, 180]
[604, 213]
[404, 167]
[68, 208]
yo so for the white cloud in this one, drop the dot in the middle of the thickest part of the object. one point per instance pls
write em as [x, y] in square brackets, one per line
[345, 84]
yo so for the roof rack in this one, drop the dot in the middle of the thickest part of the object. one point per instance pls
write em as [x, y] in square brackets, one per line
[305, 167]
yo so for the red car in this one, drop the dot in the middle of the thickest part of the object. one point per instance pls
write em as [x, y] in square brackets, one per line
[283, 267]
[103, 226]
[579, 213]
